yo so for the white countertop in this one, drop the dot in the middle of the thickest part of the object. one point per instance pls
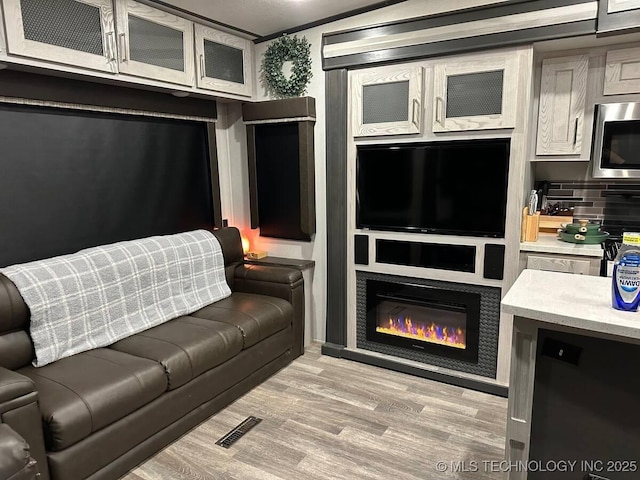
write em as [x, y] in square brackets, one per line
[579, 301]
[550, 243]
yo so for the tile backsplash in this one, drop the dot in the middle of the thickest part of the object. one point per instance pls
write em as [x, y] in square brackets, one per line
[589, 198]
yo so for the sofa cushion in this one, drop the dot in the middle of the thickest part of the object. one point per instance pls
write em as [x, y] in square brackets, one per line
[256, 316]
[185, 347]
[83, 393]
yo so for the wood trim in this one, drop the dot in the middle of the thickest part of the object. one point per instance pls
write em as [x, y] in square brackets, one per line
[31, 87]
[285, 109]
[389, 364]
[307, 178]
[253, 176]
[333, 18]
[336, 105]
[215, 175]
[448, 47]
[478, 28]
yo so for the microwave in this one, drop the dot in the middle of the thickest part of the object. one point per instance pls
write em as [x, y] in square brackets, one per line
[616, 142]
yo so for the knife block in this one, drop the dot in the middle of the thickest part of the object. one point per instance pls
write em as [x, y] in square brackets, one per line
[530, 226]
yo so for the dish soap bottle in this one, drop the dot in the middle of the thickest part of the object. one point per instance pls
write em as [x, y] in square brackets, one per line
[626, 274]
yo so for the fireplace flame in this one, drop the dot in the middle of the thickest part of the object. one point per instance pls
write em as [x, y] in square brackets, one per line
[427, 332]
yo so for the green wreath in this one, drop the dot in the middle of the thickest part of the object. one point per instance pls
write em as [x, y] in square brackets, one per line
[293, 49]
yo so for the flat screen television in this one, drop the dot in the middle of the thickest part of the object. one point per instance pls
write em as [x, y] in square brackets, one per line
[455, 188]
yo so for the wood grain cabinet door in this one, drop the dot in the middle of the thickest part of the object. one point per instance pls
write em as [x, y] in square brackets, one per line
[477, 93]
[72, 32]
[154, 44]
[223, 61]
[622, 71]
[563, 90]
[387, 101]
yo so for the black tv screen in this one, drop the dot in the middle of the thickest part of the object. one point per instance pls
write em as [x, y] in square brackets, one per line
[457, 188]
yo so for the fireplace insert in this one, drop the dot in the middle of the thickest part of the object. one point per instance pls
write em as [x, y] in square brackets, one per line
[417, 317]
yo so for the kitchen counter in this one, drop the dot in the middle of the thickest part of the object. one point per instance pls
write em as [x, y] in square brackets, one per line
[578, 301]
[550, 243]
[570, 347]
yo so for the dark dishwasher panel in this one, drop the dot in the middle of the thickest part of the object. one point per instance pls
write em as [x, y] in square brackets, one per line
[586, 407]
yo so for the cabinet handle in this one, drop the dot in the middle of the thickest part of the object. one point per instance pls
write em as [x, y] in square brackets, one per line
[438, 116]
[110, 50]
[123, 47]
[575, 133]
[416, 103]
[201, 66]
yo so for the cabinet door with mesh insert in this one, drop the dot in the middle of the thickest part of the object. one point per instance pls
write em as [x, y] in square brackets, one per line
[154, 44]
[223, 61]
[73, 32]
[477, 92]
[387, 101]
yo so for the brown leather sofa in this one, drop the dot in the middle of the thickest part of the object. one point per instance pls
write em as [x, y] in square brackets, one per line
[100, 413]
[15, 461]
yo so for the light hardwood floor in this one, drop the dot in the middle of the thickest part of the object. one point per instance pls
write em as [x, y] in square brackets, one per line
[328, 418]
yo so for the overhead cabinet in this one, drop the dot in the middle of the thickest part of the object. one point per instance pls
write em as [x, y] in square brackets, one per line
[563, 89]
[387, 101]
[622, 73]
[615, 16]
[223, 61]
[476, 93]
[154, 44]
[73, 32]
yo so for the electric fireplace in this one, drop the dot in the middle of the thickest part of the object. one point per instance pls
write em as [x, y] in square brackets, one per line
[418, 317]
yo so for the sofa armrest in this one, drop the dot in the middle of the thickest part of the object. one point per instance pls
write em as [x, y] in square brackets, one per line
[281, 282]
[19, 410]
[15, 461]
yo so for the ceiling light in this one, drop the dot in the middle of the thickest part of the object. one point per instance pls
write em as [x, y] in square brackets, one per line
[180, 94]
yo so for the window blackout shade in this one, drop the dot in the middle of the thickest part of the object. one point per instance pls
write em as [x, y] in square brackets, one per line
[72, 179]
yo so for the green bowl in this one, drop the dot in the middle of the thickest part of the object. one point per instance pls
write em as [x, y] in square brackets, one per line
[589, 239]
[591, 228]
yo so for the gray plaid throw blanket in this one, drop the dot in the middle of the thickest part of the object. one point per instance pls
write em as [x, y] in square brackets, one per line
[100, 295]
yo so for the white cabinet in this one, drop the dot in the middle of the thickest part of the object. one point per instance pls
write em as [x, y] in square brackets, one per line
[387, 101]
[562, 263]
[73, 32]
[563, 89]
[154, 44]
[614, 6]
[622, 71]
[223, 61]
[475, 93]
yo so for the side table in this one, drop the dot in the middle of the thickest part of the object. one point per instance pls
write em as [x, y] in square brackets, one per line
[306, 267]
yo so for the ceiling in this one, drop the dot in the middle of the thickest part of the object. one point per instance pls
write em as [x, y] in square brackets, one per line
[266, 17]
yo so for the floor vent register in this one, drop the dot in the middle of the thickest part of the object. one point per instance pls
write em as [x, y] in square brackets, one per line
[235, 434]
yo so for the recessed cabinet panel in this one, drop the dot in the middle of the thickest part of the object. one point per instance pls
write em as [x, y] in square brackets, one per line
[477, 93]
[154, 44]
[563, 89]
[223, 61]
[387, 101]
[73, 32]
[558, 264]
[622, 73]
[614, 6]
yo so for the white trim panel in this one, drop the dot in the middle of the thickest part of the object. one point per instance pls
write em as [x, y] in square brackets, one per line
[520, 21]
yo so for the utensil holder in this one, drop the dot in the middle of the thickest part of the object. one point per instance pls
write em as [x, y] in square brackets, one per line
[530, 226]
